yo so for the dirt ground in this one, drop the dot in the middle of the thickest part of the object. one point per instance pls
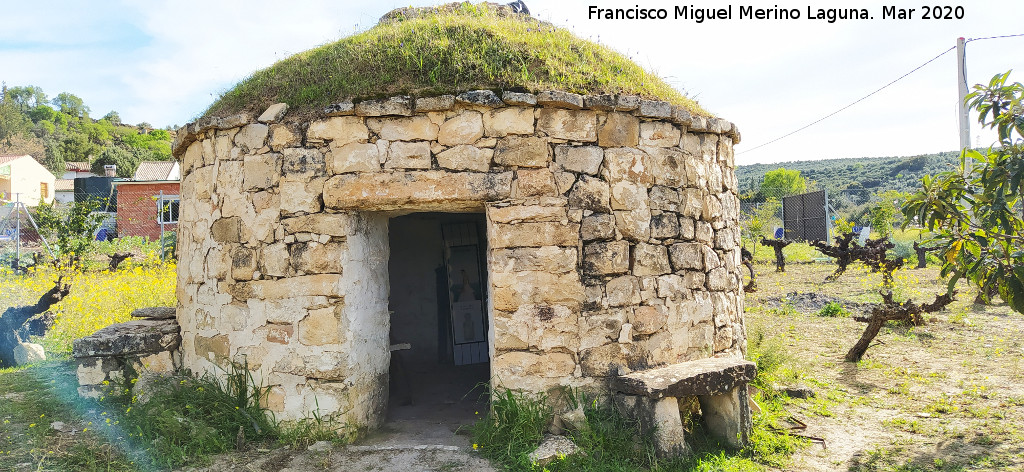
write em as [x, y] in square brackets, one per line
[948, 395]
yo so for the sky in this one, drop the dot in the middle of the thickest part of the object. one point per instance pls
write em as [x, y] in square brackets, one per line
[165, 62]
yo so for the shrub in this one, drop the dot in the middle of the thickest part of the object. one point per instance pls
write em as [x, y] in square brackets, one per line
[834, 310]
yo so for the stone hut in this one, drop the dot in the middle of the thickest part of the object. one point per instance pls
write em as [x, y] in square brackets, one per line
[549, 239]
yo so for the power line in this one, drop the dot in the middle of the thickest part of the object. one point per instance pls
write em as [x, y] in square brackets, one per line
[996, 37]
[861, 99]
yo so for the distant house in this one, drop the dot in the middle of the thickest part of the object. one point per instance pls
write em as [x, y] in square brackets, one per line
[65, 186]
[25, 180]
[149, 200]
[75, 170]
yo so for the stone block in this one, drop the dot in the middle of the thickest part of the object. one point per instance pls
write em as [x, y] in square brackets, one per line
[527, 371]
[485, 98]
[518, 151]
[314, 257]
[274, 260]
[655, 109]
[542, 327]
[321, 327]
[227, 230]
[415, 190]
[408, 155]
[519, 99]
[300, 163]
[573, 125]
[626, 102]
[681, 116]
[599, 102]
[28, 353]
[626, 195]
[528, 213]
[648, 319]
[466, 157]
[399, 105]
[215, 348]
[728, 415]
[629, 164]
[590, 193]
[273, 113]
[95, 370]
[598, 226]
[606, 258]
[650, 259]
[411, 128]
[535, 183]
[439, 103]
[664, 226]
[243, 263]
[261, 171]
[342, 108]
[580, 159]
[298, 196]
[659, 134]
[502, 122]
[664, 198]
[609, 359]
[557, 98]
[339, 130]
[552, 259]
[660, 417]
[282, 136]
[669, 166]
[330, 285]
[691, 203]
[514, 289]
[623, 291]
[534, 234]
[354, 157]
[634, 225]
[251, 137]
[465, 128]
[687, 256]
[331, 224]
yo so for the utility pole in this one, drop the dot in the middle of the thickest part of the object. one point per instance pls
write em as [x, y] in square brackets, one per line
[961, 81]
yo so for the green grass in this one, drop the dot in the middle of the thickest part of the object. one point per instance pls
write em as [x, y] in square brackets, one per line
[468, 48]
[611, 442]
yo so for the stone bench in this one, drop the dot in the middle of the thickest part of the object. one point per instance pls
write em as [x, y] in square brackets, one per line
[720, 385]
[115, 354]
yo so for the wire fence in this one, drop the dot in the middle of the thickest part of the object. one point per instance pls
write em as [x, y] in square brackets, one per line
[139, 219]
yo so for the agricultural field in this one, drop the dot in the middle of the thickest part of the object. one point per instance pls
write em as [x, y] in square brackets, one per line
[944, 396]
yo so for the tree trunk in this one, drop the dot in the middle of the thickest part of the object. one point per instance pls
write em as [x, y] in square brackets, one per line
[13, 318]
[858, 350]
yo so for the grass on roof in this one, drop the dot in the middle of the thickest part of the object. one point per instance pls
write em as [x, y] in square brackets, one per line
[469, 48]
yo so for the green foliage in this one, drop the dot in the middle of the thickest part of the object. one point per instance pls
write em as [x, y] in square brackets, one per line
[70, 104]
[452, 51]
[884, 214]
[976, 212]
[68, 134]
[834, 310]
[759, 221]
[69, 230]
[195, 417]
[126, 160]
[513, 428]
[782, 182]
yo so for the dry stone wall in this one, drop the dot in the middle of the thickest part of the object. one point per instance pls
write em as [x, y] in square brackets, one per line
[612, 230]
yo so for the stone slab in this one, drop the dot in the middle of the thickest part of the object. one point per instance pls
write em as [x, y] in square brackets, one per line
[711, 376]
[132, 337]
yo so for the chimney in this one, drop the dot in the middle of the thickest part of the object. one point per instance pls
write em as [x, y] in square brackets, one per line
[109, 170]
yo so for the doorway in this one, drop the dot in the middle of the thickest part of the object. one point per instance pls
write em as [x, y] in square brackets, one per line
[439, 323]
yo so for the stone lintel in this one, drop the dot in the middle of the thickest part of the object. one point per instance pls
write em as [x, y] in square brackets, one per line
[711, 376]
[425, 190]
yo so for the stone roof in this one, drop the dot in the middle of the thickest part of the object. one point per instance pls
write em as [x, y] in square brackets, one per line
[77, 166]
[5, 158]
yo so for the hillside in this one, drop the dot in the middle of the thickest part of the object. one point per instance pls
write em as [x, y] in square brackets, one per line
[59, 130]
[865, 175]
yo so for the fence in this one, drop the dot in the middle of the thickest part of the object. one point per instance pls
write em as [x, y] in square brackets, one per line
[765, 215]
[131, 215]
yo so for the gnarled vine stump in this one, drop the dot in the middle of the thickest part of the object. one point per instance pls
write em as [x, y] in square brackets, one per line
[14, 317]
[777, 245]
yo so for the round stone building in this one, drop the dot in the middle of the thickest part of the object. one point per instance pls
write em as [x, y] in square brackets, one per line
[534, 240]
